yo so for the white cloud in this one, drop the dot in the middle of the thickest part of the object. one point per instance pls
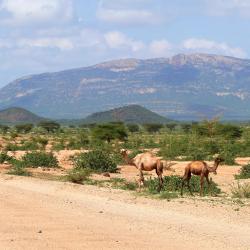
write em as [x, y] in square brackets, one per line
[128, 12]
[118, 40]
[60, 43]
[128, 16]
[20, 12]
[209, 46]
[160, 48]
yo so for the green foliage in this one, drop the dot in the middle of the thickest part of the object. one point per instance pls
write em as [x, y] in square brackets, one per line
[171, 126]
[186, 127]
[109, 131]
[152, 127]
[78, 175]
[4, 157]
[4, 128]
[244, 173]
[40, 140]
[27, 145]
[132, 127]
[121, 183]
[229, 131]
[18, 170]
[173, 184]
[49, 126]
[58, 146]
[24, 128]
[97, 160]
[40, 159]
[241, 190]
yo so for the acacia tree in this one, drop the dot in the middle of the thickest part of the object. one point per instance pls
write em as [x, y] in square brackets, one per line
[110, 131]
[133, 127]
[24, 128]
[49, 126]
[152, 127]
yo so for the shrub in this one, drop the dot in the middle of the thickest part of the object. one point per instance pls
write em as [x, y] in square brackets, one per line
[241, 190]
[97, 160]
[40, 159]
[24, 128]
[133, 127]
[244, 172]
[120, 183]
[18, 168]
[152, 127]
[40, 140]
[58, 146]
[173, 184]
[49, 126]
[78, 175]
[29, 145]
[4, 157]
[109, 131]
[4, 128]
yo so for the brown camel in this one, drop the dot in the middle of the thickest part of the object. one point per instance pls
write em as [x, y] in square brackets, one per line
[202, 169]
[145, 162]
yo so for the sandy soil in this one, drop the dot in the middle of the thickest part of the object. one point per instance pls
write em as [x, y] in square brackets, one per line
[40, 214]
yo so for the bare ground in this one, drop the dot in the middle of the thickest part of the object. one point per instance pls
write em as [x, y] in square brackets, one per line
[41, 214]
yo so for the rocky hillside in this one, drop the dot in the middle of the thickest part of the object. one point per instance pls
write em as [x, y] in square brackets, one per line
[18, 115]
[184, 86]
[127, 114]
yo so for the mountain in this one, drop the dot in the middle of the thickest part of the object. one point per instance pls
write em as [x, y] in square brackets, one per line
[181, 87]
[127, 114]
[18, 115]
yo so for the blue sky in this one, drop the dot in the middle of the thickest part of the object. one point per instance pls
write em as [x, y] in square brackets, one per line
[49, 35]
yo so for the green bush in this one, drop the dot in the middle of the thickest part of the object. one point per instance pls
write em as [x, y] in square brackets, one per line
[97, 160]
[173, 184]
[244, 172]
[78, 175]
[24, 128]
[109, 131]
[241, 190]
[28, 145]
[4, 157]
[18, 170]
[120, 183]
[40, 159]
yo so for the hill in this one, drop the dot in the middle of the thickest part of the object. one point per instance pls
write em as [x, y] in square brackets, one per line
[184, 87]
[18, 115]
[127, 114]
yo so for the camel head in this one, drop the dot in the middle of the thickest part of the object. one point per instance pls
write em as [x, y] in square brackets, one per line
[124, 152]
[217, 161]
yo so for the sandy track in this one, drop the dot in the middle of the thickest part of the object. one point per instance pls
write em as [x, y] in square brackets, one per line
[86, 217]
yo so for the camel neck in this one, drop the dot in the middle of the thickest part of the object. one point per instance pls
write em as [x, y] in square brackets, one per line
[128, 160]
[214, 167]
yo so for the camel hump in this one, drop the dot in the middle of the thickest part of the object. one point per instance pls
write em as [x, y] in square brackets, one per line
[198, 164]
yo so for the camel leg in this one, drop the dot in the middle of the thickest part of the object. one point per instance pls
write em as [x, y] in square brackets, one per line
[159, 173]
[208, 183]
[188, 184]
[141, 178]
[201, 185]
[182, 184]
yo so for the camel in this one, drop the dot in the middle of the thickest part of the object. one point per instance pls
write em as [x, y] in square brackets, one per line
[145, 162]
[202, 169]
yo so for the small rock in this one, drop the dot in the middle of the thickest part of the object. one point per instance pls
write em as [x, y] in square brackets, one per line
[40, 231]
[101, 212]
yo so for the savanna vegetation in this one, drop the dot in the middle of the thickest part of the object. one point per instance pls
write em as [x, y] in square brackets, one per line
[102, 142]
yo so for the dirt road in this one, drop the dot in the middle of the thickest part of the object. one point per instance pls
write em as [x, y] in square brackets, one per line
[40, 214]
